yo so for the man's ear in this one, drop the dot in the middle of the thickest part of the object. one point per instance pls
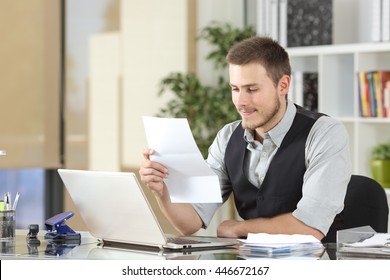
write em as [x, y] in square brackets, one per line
[284, 84]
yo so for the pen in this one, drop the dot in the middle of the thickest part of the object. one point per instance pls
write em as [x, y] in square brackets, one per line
[6, 202]
[16, 201]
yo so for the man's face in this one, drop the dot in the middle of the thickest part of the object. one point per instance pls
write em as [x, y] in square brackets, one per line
[256, 98]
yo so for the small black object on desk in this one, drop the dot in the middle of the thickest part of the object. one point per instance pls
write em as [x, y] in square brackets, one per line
[32, 239]
[58, 231]
[32, 234]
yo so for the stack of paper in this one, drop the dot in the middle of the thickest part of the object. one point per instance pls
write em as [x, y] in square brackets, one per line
[375, 245]
[276, 245]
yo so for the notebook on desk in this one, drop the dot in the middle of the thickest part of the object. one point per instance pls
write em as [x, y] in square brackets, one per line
[115, 210]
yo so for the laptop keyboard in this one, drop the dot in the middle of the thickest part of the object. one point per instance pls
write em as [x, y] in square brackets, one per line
[178, 240]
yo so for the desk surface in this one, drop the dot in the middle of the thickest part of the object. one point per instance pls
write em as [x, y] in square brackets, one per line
[90, 248]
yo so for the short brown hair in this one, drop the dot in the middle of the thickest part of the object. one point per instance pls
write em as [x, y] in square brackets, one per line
[263, 50]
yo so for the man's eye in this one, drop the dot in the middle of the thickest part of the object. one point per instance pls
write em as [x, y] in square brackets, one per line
[252, 89]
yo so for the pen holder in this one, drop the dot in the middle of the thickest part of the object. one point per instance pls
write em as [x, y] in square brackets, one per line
[7, 247]
[7, 225]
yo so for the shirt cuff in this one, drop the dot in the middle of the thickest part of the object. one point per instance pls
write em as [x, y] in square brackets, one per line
[315, 216]
[206, 211]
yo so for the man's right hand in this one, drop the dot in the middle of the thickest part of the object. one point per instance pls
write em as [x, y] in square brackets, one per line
[152, 174]
[181, 215]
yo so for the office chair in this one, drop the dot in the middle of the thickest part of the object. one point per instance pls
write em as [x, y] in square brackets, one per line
[365, 204]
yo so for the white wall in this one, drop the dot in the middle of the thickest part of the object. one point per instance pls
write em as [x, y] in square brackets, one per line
[154, 41]
[224, 11]
[104, 102]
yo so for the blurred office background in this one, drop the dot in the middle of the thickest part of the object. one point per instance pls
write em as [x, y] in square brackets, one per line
[77, 75]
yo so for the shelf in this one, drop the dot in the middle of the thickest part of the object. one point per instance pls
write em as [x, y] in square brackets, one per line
[338, 92]
[364, 120]
[339, 49]
[374, 120]
[347, 119]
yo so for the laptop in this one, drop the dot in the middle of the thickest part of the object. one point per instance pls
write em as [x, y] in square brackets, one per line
[117, 212]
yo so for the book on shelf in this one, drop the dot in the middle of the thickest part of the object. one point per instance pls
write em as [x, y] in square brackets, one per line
[376, 24]
[310, 91]
[363, 90]
[373, 90]
[386, 95]
[372, 95]
[304, 89]
[385, 20]
[267, 19]
[296, 22]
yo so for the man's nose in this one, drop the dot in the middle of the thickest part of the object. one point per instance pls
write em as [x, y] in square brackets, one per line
[242, 98]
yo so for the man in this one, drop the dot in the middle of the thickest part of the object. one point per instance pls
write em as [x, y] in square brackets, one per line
[287, 168]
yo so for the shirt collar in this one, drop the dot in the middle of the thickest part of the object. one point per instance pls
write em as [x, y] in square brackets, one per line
[280, 130]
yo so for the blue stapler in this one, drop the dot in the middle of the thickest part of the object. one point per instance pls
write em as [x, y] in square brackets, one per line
[58, 231]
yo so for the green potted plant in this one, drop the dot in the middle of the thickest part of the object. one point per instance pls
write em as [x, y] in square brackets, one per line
[206, 107]
[380, 164]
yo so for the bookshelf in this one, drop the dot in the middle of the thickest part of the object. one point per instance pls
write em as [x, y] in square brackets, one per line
[338, 92]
